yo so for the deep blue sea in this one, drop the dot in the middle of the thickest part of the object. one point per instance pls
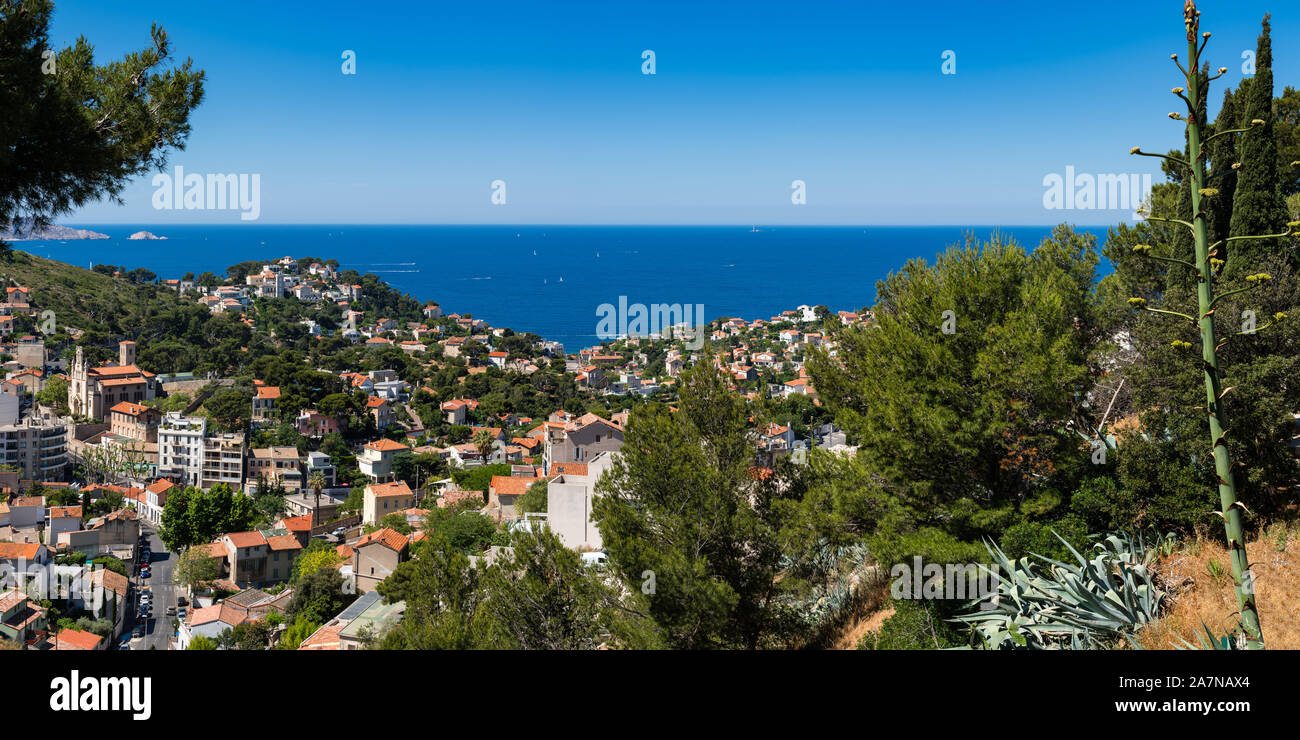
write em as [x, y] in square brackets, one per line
[550, 279]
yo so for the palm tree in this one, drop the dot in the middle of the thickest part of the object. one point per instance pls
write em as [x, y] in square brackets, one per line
[316, 481]
[484, 441]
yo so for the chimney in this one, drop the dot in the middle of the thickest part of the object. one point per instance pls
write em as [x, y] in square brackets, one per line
[126, 353]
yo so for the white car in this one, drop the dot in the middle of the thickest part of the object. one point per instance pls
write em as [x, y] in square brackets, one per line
[595, 559]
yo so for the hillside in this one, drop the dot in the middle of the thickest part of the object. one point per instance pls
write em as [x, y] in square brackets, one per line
[103, 306]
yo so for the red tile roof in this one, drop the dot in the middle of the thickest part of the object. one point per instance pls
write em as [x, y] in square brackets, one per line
[76, 640]
[390, 538]
[397, 488]
[283, 542]
[246, 539]
[505, 485]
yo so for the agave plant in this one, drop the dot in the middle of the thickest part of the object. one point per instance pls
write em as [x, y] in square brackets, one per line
[1056, 605]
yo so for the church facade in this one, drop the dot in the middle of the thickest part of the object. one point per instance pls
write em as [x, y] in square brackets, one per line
[92, 391]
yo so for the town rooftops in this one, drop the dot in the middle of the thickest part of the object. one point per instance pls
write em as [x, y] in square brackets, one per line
[386, 445]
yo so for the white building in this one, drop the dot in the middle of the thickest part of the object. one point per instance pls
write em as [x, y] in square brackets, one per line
[568, 502]
[180, 447]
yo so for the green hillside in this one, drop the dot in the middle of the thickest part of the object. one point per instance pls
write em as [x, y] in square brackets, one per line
[106, 308]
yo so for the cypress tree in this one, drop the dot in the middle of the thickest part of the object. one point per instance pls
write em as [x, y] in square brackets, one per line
[1223, 155]
[1258, 206]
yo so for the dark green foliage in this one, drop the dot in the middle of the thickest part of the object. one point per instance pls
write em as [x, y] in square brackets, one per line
[193, 517]
[968, 433]
[1259, 206]
[319, 597]
[685, 507]
[82, 133]
[1222, 175]
[915, 625]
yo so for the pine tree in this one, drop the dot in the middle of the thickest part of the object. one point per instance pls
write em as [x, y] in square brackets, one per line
[1258, 204]
[72, 131]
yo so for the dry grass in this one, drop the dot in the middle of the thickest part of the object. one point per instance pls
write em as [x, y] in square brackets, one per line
[1198, 598]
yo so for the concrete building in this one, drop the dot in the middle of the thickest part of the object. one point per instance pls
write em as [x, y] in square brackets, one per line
[37, 447]
[581, 440]
[180, 447]
[568, 502]
[276, 465]
[223, 461]
[382, 499]
[376, 460]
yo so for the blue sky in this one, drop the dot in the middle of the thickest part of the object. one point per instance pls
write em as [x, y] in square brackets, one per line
[747, 97]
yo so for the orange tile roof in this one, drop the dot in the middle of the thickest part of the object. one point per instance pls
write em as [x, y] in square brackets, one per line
[70, 639]
[213, 549]
[297, 523]
[15, 550]
[268, 392]
[396, 488]
[505, 485]
[569, 468]
[162, 485]
[60, 512]
[131, 409]
[386, 445]
[115, 370]
[390, 538]
[246, 539]
[283, 542]
[325, 638]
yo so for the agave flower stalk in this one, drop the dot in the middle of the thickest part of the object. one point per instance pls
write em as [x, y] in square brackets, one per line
[1208, 257]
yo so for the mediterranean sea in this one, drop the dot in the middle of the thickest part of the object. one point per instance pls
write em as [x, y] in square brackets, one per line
[549, 280]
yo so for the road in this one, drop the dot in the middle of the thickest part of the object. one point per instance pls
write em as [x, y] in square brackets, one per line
[159, 626]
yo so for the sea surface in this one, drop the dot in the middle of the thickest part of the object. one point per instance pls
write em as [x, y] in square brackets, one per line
[550, 279]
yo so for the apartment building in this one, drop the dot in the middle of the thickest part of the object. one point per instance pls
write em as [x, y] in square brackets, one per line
[37, 447]
[223, 461]
[180, 447]
[277, 465]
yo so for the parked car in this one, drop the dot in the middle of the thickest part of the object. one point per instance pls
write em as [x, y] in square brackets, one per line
[138, 632]
[171, 611]
[181, 601]
[595, 559]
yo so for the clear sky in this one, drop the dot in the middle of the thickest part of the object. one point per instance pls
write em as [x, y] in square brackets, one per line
[747, 97]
